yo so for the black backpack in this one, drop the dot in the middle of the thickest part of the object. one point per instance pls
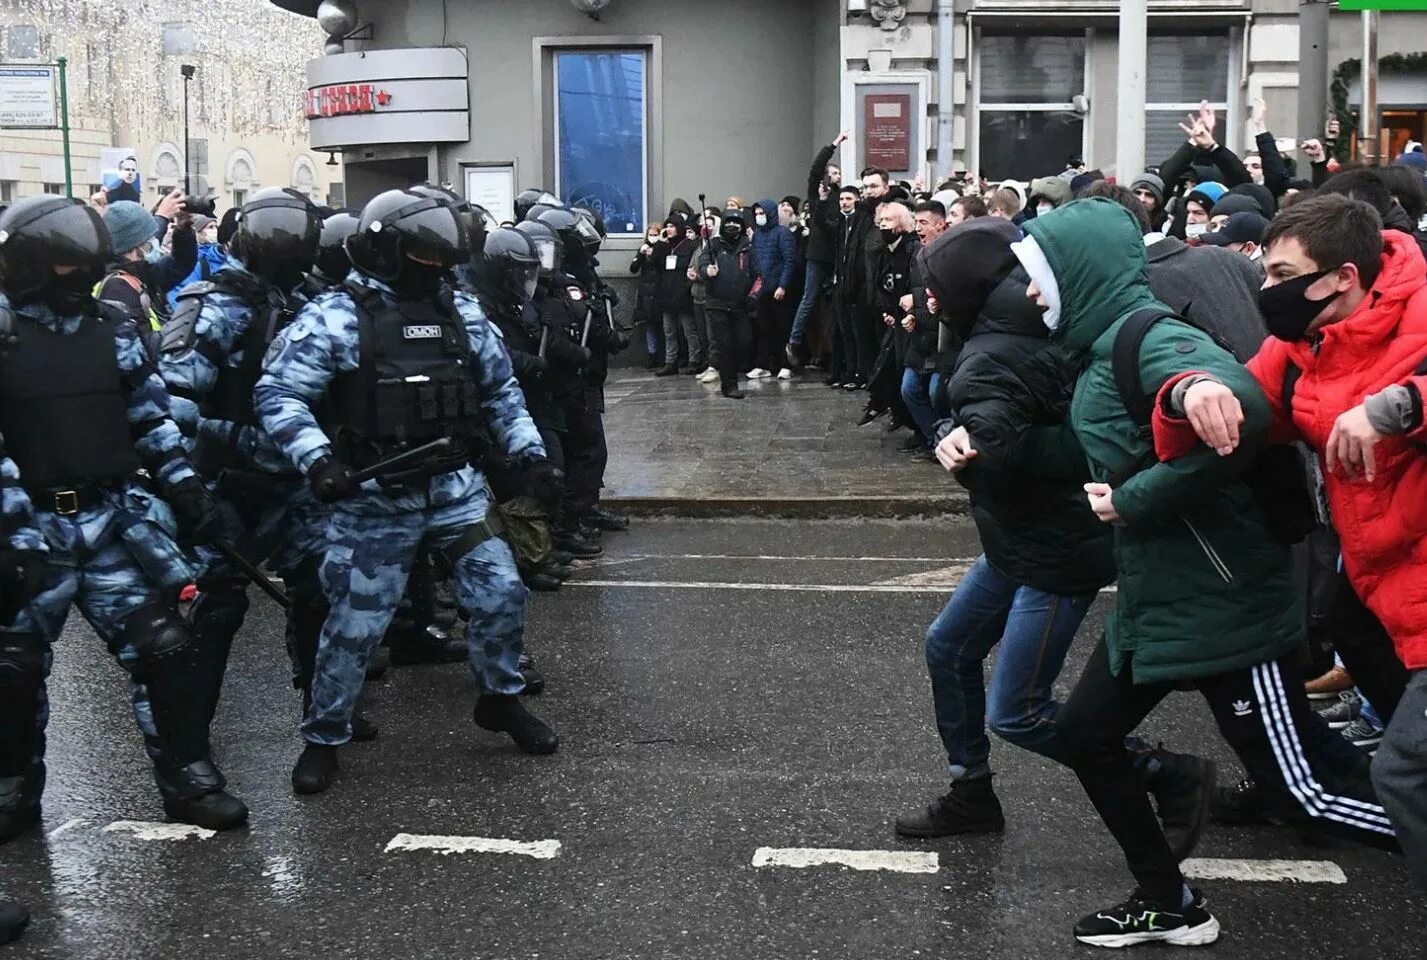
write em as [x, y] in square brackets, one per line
[1278, 477]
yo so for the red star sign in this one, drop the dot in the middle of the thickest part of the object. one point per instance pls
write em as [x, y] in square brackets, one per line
[383, 98]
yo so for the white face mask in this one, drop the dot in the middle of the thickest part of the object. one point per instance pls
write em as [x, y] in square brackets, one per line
[761, 220]
[1192, 230]
[1044, 208]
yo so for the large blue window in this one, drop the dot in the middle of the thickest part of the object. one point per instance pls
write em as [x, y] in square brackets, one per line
[600, 149]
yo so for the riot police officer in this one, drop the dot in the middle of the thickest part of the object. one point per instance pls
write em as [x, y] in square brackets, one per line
[531, 196]
[392, 363]
[588, 454]
[331, 265]
[213, 350]
[81, 411]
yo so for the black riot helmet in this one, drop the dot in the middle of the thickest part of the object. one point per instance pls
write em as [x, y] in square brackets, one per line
[530, 196]
[475, 225]
[537, 210]
[547, 246]
[577, 233]
[40, 234]
[512, 264]
[408, 241]
[277, 236]
[332, 262]
[596, 221]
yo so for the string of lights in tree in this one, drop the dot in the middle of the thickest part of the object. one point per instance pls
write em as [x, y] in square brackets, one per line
[251, 57]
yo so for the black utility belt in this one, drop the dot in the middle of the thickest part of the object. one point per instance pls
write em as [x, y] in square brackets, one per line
[67, 501]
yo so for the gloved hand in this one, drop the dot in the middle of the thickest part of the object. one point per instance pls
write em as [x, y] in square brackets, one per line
[545, 482]
[197, 514]
[332, 480]
[22, 578]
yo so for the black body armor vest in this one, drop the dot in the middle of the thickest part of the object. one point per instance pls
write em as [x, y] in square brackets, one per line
[232, 395]
[413, 384]
[64, 412]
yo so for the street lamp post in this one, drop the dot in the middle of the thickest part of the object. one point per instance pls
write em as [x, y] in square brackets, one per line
[188, 71]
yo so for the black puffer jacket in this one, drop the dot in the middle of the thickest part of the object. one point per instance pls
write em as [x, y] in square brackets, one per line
[823, 215]
[1036, 527]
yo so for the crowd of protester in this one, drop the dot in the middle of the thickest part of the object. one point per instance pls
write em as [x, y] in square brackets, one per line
[1203, 384]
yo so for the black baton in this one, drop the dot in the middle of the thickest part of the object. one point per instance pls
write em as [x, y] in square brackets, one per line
[393, 464]
[251, 571]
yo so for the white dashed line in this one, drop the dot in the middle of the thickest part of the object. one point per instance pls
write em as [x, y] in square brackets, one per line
[1264, 871]
[538, 849]
[67, 826]
[895, 861]
[141, 830]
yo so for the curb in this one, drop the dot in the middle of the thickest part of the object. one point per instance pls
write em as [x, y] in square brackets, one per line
[792, 508]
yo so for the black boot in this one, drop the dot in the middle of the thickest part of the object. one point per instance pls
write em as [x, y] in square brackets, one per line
[1183, 787]
[13, 920]
[18, 810]
[315, 770]
[562, 557]
[607, 519]
[379, 664]
[363, 729]
[970, 806]
[668, 370]
[429, 645]
[559, 571]
[577, 546]
[506, 714]
[731, 391]
[542, 582]
[194, 794]
[534, 679]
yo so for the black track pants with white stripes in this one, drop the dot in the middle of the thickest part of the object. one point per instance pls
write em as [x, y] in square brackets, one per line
[1310, 775]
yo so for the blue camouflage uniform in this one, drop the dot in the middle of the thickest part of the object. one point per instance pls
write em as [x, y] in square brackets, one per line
[268, 512]
[113, 557]
[375, 536]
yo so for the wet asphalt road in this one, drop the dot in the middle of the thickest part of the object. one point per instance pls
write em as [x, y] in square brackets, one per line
[699, 723]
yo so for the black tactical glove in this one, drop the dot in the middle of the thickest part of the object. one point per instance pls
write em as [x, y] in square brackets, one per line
[22, 578]
[332, 480]
[195, 511]
[544, 482]
[619, 342]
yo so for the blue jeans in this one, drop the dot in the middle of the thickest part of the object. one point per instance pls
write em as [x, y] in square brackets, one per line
[940, 408]
[812, 286]
[916, 394]
[1034, 630]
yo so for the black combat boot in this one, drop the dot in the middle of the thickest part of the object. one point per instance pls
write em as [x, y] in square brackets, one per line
[13, 920]
[607, 519]
[378, 664]
[1183, 788]
[541, 582]
[429, 644]
[577, 546]
[315, 770]
[970, 806]
[561, 557]
[194, 794]
[505, 714]
[534, 679]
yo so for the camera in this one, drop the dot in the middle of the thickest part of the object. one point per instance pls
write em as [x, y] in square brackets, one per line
[195, 206]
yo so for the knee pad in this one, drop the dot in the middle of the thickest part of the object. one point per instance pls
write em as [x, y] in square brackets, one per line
[155, 631]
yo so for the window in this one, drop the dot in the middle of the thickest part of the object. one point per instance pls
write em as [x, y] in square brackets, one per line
[178, 38]
[240, 197]
[1028, 124]
[601, 153]
[7, 191]
[53, 188]
[1182, 70]
[22, 42]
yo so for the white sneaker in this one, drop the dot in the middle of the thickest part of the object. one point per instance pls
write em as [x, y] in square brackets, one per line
[709, 376]
[785, 374]
[758, 373]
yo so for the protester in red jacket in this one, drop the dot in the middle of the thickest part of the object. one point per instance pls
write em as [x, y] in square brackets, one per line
[1347, 307]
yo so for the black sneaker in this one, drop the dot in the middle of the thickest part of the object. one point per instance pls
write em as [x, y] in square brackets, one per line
[970, 806]
[316, 769]
[1139, 920]
[733, 393]
[506, 714]
[1183, 788]
[668, 370]
[1241, 805]
[1343, 711]
[13, 920]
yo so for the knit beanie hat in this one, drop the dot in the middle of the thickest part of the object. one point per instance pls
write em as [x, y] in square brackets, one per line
[1152, 183]
[130, 225]
[1206, 195]
[1267, 205]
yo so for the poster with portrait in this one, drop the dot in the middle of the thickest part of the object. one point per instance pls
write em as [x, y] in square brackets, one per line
[119, 167]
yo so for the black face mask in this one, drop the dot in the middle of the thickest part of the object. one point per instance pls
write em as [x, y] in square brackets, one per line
[418, 281]
[1287, 312]
[890, 236]
[731, 234]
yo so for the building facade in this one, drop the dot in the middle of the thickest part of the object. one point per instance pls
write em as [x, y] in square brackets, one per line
[658, 99]
[127, 90]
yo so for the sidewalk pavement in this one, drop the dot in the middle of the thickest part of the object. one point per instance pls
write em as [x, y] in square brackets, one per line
[792, 448]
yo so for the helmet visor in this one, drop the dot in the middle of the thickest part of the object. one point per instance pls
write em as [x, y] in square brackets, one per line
[546, 249]
[433, 235]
